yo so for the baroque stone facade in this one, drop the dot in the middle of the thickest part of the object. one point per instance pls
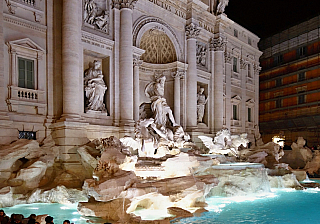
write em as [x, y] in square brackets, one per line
[48, 45]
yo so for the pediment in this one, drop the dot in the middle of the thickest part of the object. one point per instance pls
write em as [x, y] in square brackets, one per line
[236, 99]
[26, 43]
[250, 102]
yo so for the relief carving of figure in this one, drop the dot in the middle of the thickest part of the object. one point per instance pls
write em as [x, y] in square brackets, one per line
[201, 102]
[90, 11]
[94, 87]
[201, 55]
[93, 15]
[102, 21]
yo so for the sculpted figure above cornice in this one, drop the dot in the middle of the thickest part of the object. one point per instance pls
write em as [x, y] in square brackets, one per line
[218, 44]
[192, 31]
[120, 4]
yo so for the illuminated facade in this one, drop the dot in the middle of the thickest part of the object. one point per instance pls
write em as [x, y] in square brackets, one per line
[290, 83]
[48, 49]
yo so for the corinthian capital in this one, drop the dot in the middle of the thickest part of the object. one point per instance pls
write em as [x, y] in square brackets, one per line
[120, 4]
[137, 61]
[243, 64]
[192, 31]
[256, 69]
[218, 44]
[178, 74]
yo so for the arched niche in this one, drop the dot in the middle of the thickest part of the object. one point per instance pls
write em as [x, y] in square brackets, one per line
[146, 23]
[158, 47]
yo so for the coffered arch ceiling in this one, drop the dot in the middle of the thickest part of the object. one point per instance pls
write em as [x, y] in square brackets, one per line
[158, 47]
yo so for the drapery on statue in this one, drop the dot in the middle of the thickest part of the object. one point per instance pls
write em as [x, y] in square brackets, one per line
[159, 106]
[94, 87]
[201, 102]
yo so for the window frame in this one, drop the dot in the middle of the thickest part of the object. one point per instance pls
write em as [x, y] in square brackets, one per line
[301, 99]
[301, 76]
[235, 65]
[25, 71]
[235, 33]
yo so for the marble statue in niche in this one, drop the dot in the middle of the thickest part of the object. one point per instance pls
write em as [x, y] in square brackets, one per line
[201, 103]
[94, 87]
[95, 16]
[201, 55]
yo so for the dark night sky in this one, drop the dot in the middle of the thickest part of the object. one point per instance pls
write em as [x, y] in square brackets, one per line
[267, 17]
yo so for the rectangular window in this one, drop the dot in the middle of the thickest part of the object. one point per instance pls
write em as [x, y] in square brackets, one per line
[301, 99]
[235, 33]
[301, 76]
[302, 52]
[249, 114]
[235, 64]
[278, 59]
[278, 82]
[26, 73]
[278, 103]
[234, 112]
[249, 41]
[249, 71]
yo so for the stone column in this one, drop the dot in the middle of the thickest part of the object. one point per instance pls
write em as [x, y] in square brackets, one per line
[218, 45]
[125, 63]
[116, 37]
[211, 99]
[191, 32]
[136, 93]
[177, 97]
[71, 37]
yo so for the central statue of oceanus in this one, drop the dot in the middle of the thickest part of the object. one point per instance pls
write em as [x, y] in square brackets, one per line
[156, 133]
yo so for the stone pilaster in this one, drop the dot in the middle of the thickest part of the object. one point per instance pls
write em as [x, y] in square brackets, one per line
[116, 37]
[136, 97]
[125, 62]
[71, 37]
[177, 96]
[244, 112]
[191, 32]
[257, 70]
[218, 45]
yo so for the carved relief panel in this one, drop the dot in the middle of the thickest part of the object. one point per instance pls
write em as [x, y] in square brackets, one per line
[201, 54]
[96, 15]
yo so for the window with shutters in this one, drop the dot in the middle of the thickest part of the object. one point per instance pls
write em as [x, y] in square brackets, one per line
[26, 73]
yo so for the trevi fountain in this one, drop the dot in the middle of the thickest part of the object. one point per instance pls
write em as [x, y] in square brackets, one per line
[159, 176]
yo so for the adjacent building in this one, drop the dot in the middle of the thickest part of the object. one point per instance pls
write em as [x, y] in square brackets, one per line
[48, 47]
[290, 83]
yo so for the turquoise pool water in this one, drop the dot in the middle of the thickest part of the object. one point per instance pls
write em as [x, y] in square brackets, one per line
[284, 206]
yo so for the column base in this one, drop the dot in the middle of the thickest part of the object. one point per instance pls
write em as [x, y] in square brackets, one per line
[67, 135]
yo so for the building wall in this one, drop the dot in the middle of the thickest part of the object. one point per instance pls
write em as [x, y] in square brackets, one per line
[38, 31]
[289, 83]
